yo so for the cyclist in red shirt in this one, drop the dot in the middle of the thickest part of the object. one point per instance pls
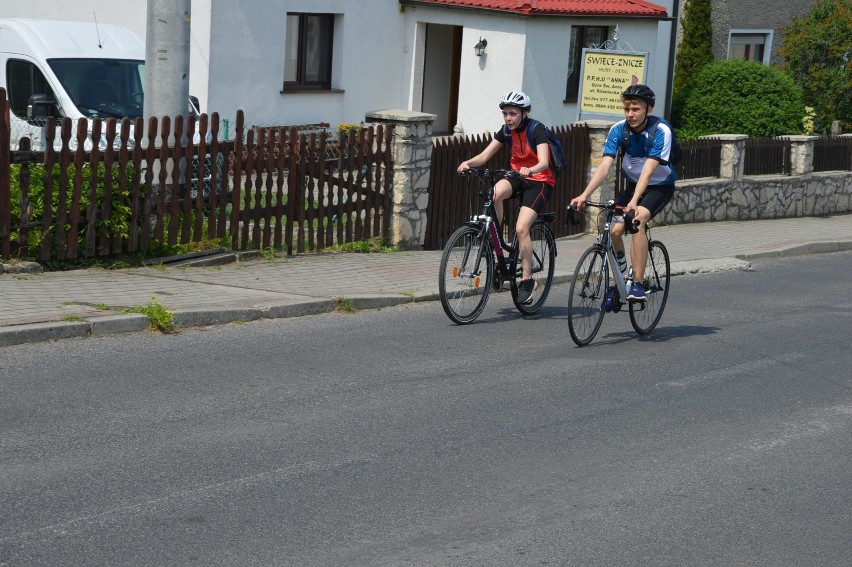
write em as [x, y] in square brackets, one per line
[534, 187]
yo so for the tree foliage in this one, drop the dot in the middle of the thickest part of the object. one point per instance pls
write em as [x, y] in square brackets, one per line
[694, 52]
[817, 54]
[743, 97]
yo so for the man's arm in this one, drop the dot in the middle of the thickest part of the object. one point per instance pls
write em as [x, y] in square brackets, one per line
[648, 169]
[597, 179]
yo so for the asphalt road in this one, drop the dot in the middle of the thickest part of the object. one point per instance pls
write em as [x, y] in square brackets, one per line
[393, 437]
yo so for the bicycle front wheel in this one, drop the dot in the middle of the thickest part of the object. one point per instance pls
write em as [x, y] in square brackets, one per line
[587, 298]
[543, 261]
[467, 270]
[645, 315]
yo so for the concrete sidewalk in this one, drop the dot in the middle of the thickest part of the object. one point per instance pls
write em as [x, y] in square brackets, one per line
[54, 305]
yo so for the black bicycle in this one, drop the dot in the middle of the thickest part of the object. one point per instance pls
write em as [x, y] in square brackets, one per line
[474, 262]
[587, 301]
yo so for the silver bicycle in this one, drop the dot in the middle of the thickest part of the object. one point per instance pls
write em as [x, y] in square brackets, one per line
[587, 302]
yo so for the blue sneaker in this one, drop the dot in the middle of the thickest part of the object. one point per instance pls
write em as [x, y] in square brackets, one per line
[610, 298]
[637, 292]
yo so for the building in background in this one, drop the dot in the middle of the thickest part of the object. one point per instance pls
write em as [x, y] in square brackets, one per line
[292, 62]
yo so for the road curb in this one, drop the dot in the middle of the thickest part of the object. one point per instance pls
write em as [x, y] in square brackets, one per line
[801, 250]
[41, 332]
[201, 317]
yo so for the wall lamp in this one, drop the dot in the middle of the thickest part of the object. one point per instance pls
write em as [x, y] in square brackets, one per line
[479, 48]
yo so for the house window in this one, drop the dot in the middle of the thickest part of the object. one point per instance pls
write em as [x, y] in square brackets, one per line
[307, 57]
[750, 45]
[581, 37]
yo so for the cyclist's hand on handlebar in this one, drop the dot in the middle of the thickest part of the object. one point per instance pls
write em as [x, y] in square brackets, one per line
[463, 166]
[577, 203]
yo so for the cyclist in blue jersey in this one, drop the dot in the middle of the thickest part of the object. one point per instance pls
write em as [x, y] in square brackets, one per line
[650, 178]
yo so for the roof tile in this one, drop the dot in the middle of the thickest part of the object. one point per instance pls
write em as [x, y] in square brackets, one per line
[639, 8]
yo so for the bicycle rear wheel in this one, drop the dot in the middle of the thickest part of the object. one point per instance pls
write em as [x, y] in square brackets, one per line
[645, 315]
[543, 260]
[467, 271]
[587, 297]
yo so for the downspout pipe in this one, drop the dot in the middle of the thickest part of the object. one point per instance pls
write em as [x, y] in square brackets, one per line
[672, 49]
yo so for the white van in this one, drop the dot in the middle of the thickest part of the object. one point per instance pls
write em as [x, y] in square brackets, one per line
[69, 69]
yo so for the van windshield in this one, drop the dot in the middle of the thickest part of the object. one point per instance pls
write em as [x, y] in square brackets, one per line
[102, 87]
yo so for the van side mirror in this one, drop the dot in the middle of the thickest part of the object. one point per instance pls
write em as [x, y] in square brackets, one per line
[39, 107]
[194, 106]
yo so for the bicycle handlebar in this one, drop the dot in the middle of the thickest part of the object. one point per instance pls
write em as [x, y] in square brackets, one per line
[631, 224]
[492, 173]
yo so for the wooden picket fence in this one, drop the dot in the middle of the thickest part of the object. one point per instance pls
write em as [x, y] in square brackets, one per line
[268, 187]
[454, 198]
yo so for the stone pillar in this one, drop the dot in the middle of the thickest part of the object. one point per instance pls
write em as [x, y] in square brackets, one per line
[598, 130]
[733, 152]
[411, 147]
[801, 154]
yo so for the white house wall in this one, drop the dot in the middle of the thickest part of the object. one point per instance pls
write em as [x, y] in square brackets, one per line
[237, 56]
[531, 54]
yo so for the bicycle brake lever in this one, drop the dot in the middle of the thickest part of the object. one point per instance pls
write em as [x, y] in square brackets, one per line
[630, 223]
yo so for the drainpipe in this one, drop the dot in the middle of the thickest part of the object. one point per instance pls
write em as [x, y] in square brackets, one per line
[672, 48]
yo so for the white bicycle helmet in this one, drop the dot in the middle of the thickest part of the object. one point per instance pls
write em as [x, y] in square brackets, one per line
[516, 98]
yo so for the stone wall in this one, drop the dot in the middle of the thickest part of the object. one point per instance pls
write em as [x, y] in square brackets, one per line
[759, 197]
[731, 197]
[734, 196]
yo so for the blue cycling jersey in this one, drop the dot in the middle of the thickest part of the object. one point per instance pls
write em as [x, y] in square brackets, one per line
[638, 151]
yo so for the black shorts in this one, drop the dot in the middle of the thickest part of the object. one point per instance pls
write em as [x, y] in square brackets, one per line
[655, 197]
[533, 194]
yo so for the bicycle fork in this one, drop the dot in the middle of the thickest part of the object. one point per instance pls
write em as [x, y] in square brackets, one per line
[479, 251]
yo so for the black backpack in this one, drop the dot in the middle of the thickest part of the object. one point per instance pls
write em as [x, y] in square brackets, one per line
[558, 162]
[677, 152]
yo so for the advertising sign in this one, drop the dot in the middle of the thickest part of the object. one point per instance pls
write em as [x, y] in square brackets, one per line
[604, 76]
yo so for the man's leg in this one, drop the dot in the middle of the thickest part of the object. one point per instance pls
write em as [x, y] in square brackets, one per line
[639, 255]
[616, 232]
[639, 245]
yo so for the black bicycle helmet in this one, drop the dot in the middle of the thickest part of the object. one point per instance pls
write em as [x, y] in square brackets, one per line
[640, 92]
[516, 98]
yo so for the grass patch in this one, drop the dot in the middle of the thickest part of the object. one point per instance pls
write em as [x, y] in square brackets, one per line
[343, 305]
[73, 318]
[371, 246]
[162, 320]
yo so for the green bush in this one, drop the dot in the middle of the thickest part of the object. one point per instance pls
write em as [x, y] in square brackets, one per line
[117, 225]
[743, 97]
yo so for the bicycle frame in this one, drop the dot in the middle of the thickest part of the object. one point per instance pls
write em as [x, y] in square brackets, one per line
[605, 239]
[488, 223]
[621, 281]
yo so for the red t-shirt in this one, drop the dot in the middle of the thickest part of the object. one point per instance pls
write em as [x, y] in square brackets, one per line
[523, 155]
